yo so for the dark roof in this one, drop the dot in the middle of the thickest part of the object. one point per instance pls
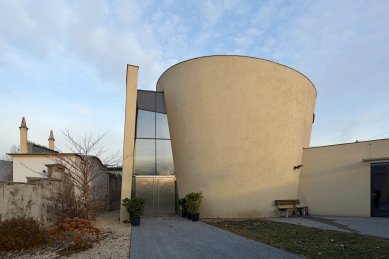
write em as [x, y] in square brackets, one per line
[39, 149]
[5, 171]
[113, 168]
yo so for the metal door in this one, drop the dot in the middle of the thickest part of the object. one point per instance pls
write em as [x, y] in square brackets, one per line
[158, 193]
[380, 190]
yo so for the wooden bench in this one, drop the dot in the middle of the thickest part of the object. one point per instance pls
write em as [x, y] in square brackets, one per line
[289, 206]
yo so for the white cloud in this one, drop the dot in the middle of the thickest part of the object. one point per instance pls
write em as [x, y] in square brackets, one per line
[61, 53]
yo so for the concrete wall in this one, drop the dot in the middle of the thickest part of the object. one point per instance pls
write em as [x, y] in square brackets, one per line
[129, 136]
[335, 181]
[238, 126]
[27, 200]
[115, 187]
[100, 186]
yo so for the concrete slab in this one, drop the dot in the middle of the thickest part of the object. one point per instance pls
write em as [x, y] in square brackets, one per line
[181, 238]
[363, 225]
[306, 221]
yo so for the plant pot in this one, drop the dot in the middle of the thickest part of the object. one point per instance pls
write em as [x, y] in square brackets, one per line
[188, 215]
[195, 217]
[135, 221]
[184, 213]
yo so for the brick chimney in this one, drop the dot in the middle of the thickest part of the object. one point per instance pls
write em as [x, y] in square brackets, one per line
[51, 140]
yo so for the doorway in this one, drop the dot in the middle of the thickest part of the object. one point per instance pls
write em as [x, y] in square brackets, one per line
[159, 194]
[380, 190]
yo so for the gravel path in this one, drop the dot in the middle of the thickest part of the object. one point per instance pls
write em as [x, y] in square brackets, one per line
[181, 238]
[115, 236]
[114, 242]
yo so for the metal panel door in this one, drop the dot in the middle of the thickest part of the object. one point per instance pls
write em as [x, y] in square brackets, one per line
[145, 190]
[166, 196]
[158, 193]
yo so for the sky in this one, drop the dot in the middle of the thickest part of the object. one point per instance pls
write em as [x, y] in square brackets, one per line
[63, 63]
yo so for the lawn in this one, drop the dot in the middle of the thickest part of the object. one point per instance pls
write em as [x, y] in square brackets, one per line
[309, 242]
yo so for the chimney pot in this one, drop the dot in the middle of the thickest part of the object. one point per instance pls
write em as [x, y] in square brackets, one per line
[51, 140]
[23, 136]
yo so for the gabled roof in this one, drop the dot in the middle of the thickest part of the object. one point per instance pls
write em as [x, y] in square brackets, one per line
[39, 149]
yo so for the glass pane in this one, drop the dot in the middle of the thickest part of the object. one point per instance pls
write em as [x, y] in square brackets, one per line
[165, 164]
[380, 189]
[145, 157]
[146, 100]
[162, 126]
[160, 103]
[145, 124]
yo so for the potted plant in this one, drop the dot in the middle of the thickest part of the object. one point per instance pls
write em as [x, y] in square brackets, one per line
[188, 214]
[193, 202]
[182, 204]
[135, 208]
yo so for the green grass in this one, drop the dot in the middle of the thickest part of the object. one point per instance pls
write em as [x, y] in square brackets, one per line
[309, 242]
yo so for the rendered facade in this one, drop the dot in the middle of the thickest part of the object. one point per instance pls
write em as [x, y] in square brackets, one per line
[350, 179]
[240, 130]
[238, 126]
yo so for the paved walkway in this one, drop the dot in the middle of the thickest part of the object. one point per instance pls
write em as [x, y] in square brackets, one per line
[363, 225]
[181, 238]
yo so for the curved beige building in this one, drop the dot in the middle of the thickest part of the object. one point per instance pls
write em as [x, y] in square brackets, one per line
[238, 126]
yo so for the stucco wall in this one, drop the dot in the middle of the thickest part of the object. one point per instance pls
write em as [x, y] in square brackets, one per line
[29, 166]
[238, 126]
[335, 181]
[27, 200]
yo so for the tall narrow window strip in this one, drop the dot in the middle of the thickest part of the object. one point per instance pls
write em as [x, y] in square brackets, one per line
[153, 151]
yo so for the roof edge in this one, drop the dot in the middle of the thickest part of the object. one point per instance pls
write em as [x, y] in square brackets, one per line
[347, 143]
[241, 56]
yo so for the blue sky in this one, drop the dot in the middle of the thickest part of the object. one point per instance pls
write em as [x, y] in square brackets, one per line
[62, 63]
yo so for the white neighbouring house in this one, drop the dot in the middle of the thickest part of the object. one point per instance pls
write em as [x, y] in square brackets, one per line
[36, 167]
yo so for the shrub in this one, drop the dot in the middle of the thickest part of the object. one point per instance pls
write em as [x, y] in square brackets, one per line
[64, 204]
[73, 235]
[182, 204]
[193, 201]
[21, 233]
[134, 206]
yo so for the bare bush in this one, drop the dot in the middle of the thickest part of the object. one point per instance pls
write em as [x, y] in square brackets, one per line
[21, 233]
[12, 150]
[85, 177]
[73, 235]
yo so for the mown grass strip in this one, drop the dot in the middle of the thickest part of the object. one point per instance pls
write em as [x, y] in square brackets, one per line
[307, 241]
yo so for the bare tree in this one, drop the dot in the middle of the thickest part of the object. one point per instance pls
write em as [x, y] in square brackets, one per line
[83, 170]
[12, 150]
